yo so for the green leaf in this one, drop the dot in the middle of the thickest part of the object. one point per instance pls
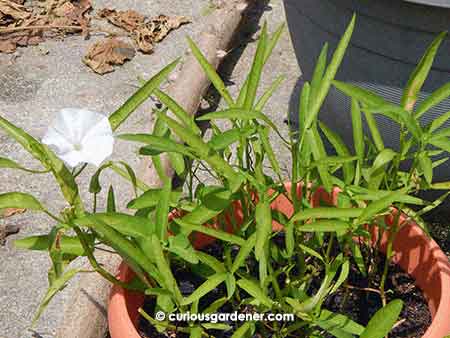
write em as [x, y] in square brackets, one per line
[260, 105]
[10, 164]
[162, 210]
[362, 95]
[374, 208]
[358, 137]
[341, 150]
[253, 289]
[319, 70]
[325, 226]
[20, 200]
[196, 332]
[383, 320]
[318, 151]
[151, 197]
[345, 269]
[157, 144]
[181, 246]
[57, 285]
[211, 73]
[243, 253]
[264, 137]
[111, 201]
[256, 70]
[326, 213]
[230, 283]
[134, 226]
[330, 73]
[439, 121]
[263, 219]
[420, 73]
[376, 136]
[427, 167]
[177, 162]
[441, 143]
[219, 234]
[221, 141]
[126, 175]
[164, 268]
[69, 245]
[210, 284]
[432, 100]
[121, 114]
[339, 325]
[242, 330]
[211, 261]
[177, 110]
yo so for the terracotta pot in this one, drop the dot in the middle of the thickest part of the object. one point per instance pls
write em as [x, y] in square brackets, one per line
[416, 254]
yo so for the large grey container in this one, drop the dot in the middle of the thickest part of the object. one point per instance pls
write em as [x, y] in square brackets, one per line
[389, 39]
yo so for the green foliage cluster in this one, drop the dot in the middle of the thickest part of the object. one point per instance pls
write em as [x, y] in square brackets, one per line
[318, 241]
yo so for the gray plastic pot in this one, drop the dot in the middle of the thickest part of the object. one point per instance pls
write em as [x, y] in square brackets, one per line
[389, 39]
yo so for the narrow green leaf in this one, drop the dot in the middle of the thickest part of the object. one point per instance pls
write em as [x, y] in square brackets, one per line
[111, 201]
[242, 330]
[382, 204]
[341, 150]
[220, 141]
[330, 73]
[57, 285]
[20, 200]
[210, 284]
[255, 291]
[325, 226]
[134, 226]
[439, 121]
[121, 114]
[177, 110]
[427, 167]
[211, 261]
[335, 322]
[323, 213]
[256, 70]
[151, 197]
[157, 143]
[420, 73]
[244, 252]
[319, 70]
[265, 141]
[219, 234]
[260, 105]
[383, 320]
[263, 219]
[318, 151]
[69, 245]
[433, 99]
[376, 136]
[162, 210]
[10, 164]
[211, 73]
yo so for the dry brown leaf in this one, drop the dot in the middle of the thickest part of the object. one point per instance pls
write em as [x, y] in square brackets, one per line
[128, 20]
[103, 54]
[12, 12]
[7, 46]
[8, 212]
[156, 30]
[73, 13]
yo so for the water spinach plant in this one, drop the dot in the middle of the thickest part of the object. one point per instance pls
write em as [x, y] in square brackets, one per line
[271, 256]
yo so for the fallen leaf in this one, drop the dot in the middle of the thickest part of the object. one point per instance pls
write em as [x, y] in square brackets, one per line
[105, 53]
[128, 20]
[8, 212]
[73, 13]
[12, 12]
[156, 30]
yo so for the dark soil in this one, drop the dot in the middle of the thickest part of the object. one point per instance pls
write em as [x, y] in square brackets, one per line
[355, 302]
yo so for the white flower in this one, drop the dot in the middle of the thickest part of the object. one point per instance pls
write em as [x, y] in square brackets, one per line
[80, 136]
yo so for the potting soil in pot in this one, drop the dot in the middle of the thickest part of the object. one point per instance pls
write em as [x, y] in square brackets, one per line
[357, 299]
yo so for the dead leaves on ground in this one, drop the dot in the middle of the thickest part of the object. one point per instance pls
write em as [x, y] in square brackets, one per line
[23, 24]
[145, 32]
[103, 54]
[29, 23]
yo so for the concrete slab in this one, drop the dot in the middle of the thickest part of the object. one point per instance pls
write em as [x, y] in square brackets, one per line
[35, 86]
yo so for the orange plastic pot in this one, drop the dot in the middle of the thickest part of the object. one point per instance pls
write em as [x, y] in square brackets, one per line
[416, 254]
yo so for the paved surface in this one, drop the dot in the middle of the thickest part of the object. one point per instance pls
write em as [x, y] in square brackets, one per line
[34, 86]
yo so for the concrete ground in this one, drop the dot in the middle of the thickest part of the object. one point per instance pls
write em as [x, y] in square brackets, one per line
[51, 76]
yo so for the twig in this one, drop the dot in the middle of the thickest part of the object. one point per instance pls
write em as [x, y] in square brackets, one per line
[362, 289]
[400, 322]
[36, 27]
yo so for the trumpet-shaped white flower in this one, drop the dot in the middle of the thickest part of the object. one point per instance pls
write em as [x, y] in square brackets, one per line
[80, 136]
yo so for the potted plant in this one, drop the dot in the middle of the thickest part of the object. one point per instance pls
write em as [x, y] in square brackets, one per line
[386, 45]
[239, 239]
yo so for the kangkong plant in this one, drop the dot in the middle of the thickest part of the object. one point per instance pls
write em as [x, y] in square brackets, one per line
[168, 228]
